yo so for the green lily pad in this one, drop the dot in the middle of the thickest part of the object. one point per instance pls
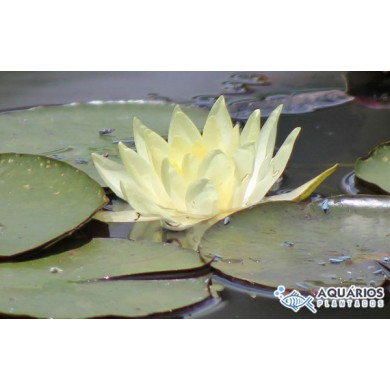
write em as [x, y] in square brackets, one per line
[139, 298]
[103, 257]
[65, 285]
[374, 169]
[42, 200]
[292, 243]
[71, 132]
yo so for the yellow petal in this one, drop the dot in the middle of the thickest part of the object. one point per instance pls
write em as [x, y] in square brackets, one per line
[266, 141]
[182, 126]
[139, 138]
[212, 135]
[154, 139]
[250, 132]
[230, 135]
[174, 184]
[179, 147]
[142, 202]
[190, 168]
[150, 145]
[264, 151]
[122, 216]
[143, 175]
[234, 142]
[279, 162]
[244, 158]
[260, 190]
[201, 199]
[157, 147]
[237, 201]
[220, 111]
[157, 157]
[305, 190]
[111, 172]
[274, 169]
[220, 170]
[267, 135]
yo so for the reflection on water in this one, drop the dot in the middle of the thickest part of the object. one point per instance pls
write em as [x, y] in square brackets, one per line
[292, 104]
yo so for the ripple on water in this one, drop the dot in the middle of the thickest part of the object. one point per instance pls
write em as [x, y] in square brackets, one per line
[292, 104]
[234, 88]
[205, 101]
[250, 78]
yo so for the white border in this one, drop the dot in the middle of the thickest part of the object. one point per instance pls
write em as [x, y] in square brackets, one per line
[201, 35]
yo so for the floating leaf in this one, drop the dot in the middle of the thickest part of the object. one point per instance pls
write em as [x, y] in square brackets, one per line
[292, 243]
[139, 298]
[72, 132]
[42, 200]
[113, 257]
[374, 169]
[54, 287]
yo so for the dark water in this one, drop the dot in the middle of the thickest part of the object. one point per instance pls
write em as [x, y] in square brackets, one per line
[340, 134]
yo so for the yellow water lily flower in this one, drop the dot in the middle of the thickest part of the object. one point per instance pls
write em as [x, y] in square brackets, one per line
[196, 176]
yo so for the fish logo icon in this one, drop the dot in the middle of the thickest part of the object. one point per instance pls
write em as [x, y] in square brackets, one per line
[295, 300]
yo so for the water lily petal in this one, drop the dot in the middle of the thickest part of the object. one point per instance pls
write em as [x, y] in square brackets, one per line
[111, 172]
[157, 157]
[267, 135]
[182, 126]
[174, 184]
[261, 189]
[239, 190]
[220, 111]
[179, 147]
[122, 216]
[279, 162]
[274, 169]
[157, 147]
[146, 139]
[220, 170]
[221, 119]
[139, 130]
[234, 140]
[143, 175]
[305, 190]
[155, 140]
[250, 132]
[143, 202]
[244, 158]
[190, 167]
[201, 199]
[212, 136]
[264, 151]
